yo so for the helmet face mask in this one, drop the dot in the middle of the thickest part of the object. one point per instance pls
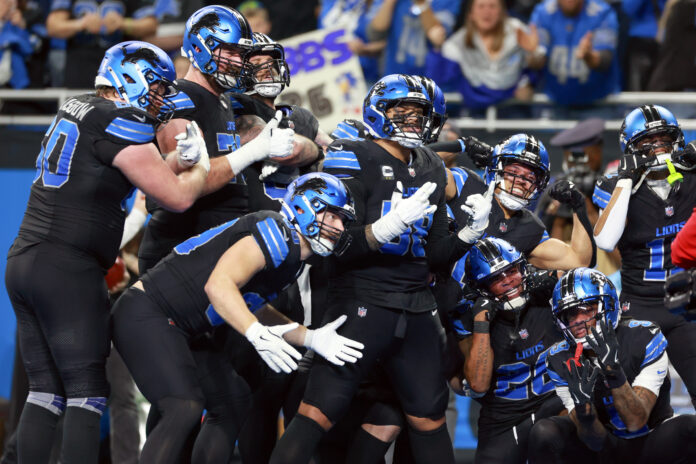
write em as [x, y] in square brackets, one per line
[439, 115]
[513, 164]
[397, 108]
[265, 64]
[651, 131]
[498, 271]
[577, 293]
[312, 203]
[142, 75]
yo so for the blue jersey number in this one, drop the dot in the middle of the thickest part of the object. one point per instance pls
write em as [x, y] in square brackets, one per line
[513, 380]
[59, 147]
[656, 271]
[413, 238]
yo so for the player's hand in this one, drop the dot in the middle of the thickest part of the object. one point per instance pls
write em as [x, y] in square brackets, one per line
[541, 282]
[336, 348]
[565, 192]
[191, 148]
[686, 158]
[606, 346]
[478, 207]
[483, 304]
[280, 141]
[273, 349]
[634, 167]
[404, 212]
[479, 152]
[581, 381]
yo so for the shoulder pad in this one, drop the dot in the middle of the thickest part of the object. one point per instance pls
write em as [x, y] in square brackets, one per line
[275, 239]
[132, 125]
[182, 101]
[341, 155]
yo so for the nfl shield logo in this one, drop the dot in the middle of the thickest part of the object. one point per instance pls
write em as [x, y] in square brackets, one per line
[625, 306]
[503, 227]
[669, 211]
[412, 172]
[524, 334]
[362, 311]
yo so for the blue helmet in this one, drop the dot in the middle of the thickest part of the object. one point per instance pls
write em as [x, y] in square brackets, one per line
[439, 116]
[391, 91]
[269, 78]
[309, 195]
[133, 68]
[488, 259]
[208, 31]
[646, 121]
[580, 287]
[522, 149]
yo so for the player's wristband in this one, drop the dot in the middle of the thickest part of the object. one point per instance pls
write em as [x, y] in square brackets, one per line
[616, 379]
[482, 327]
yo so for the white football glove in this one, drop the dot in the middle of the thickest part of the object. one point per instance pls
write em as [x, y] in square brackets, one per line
[273, 349]
[332, 346]
[404, 212]
[271, 142]
[191, 149]
[478, 207]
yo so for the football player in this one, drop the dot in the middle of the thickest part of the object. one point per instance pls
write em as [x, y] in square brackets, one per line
[96, 149]
[221, 276]
[611, 373]
[381, 283]
[643, 207]
[505, 339]
[519, 170]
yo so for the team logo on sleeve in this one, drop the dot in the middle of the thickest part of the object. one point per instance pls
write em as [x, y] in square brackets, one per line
[362, 311]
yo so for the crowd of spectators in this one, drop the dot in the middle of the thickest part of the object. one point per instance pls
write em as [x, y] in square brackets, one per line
[575, 51]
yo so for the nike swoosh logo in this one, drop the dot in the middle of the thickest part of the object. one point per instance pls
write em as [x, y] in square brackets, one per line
[433, 312]
[337, 147]
[661, 372]
[140, 118]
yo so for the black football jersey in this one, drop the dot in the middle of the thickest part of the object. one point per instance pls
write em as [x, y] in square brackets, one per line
[396, 275]
[215, 117]
[520, 383]
[641, 344]
[651, 225]
[77, 197]
[177, 282]
[266, 194]
[523, 230]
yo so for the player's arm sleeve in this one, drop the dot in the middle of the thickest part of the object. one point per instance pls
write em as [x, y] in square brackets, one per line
[344, 164]
[123, 130]
[272, 241]
[612, 220]
[655, 365]
[442, 248]
[684, 244]
[559, 383]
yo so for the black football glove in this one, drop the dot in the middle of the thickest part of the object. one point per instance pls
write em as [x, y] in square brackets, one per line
[606, 347]
[484, 304]
[479, 152]
[686, 158]
[634, 167]
[541, 283]
[565, 192]
[581, 382]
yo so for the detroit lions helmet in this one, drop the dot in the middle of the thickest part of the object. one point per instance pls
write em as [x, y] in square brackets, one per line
[309, 195]
[576, 291]
[521, 149]
[267, 77]
[490, 259]
[645, 122]
[142, 75]
[209, 32]
[410, 130]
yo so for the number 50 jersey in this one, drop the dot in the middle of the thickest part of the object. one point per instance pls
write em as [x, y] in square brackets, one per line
[77, 195]
[396, 275]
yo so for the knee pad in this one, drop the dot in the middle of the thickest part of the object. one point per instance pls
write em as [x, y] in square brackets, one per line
[86, 382]
[95, 404]
[54, 403]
